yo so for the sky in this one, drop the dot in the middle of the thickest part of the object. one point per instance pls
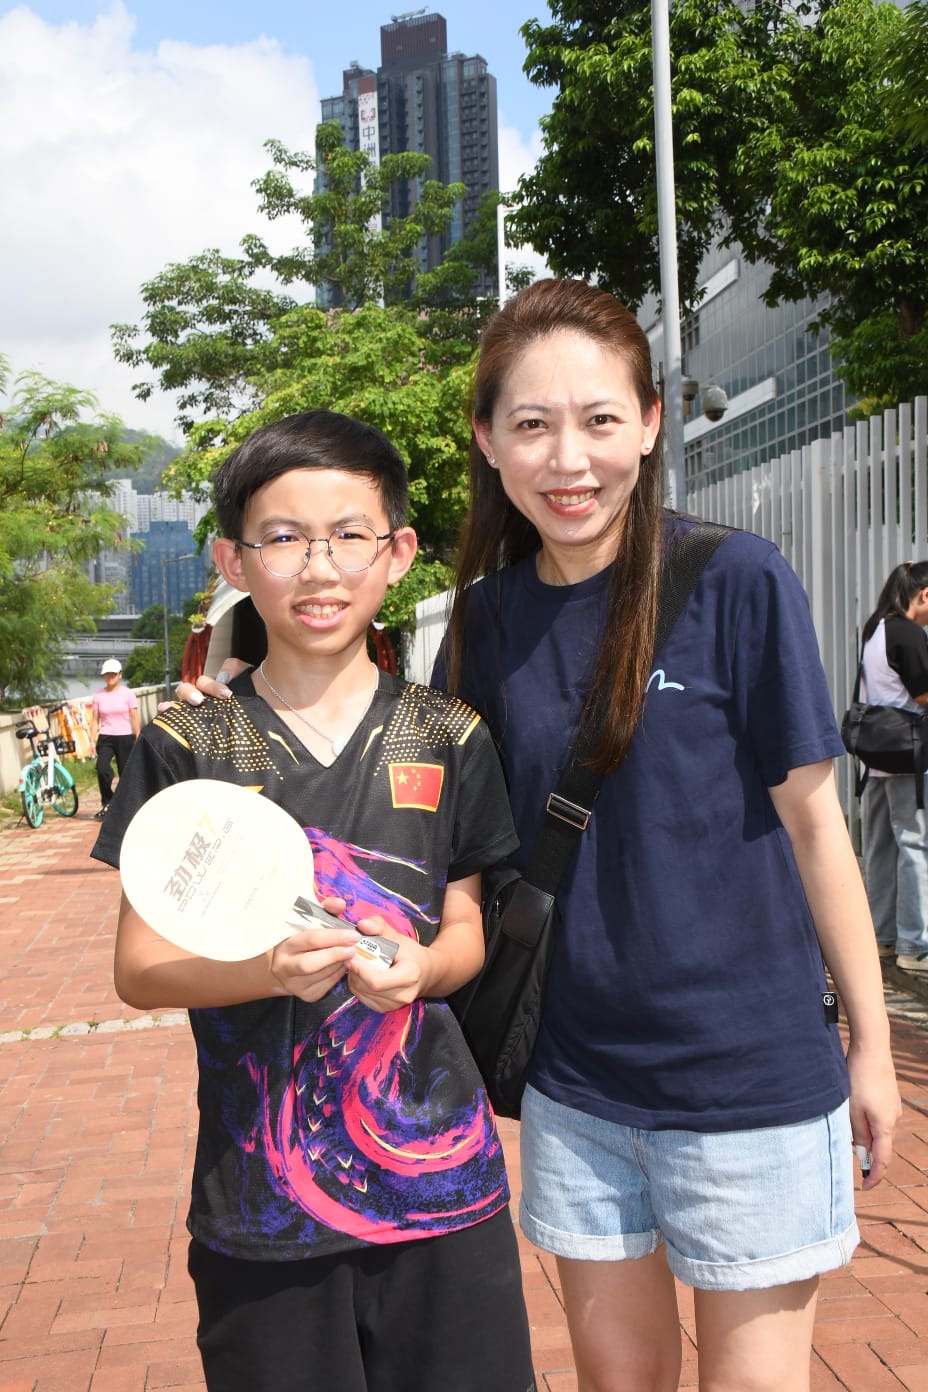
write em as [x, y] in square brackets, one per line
[130, 133]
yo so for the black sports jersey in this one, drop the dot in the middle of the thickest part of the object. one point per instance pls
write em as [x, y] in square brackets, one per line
[327, 1125]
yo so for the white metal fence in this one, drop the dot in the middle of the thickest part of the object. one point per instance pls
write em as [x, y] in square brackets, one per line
[844, 511]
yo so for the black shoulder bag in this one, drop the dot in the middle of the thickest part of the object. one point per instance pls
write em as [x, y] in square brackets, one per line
[886, 738]
[500, 1010]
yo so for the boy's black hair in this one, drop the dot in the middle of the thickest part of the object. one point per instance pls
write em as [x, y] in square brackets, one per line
[309, 440]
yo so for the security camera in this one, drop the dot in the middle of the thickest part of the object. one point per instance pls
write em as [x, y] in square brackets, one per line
[690, 389]
[714, 403]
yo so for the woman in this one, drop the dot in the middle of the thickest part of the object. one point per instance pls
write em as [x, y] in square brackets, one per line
[895, 673]
[687, 1113]
[114, 728]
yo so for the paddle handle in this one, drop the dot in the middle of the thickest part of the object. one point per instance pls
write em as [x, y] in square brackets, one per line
[372, 948]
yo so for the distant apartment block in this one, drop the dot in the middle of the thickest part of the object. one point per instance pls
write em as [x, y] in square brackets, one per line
[163, 525]
[426, 100]
[167, 565]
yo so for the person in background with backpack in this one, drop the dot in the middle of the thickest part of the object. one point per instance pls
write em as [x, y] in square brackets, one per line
[895, 673]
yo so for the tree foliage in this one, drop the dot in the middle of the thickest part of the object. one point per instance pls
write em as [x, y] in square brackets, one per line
[51, 461]
[796, 135]
[145, 664]
[208, 331]
[380, 365]
[397, 353]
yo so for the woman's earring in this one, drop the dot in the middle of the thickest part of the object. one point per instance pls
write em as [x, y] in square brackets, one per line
[490, 460]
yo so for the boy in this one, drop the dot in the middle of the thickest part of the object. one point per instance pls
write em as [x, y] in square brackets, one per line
[349, 1215]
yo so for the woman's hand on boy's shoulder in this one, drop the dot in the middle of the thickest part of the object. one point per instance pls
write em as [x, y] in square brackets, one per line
[190, 695]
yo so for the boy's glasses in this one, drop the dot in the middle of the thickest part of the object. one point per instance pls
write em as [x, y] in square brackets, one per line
[287, 553]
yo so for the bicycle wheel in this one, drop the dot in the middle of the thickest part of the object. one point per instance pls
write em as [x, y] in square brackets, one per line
[33, 810]
[64, 798]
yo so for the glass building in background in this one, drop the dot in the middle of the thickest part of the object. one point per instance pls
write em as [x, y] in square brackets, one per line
[167, 567]
[429, 101]
[777, 373]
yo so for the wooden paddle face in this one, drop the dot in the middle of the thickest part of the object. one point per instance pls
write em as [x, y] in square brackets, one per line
[216, 868]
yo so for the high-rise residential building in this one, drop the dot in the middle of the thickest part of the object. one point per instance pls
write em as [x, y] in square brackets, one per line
[158, 521]
[429, 101]
[167, 567]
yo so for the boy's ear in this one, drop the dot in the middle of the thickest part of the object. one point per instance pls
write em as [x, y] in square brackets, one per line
[227, 558]
[403, 550]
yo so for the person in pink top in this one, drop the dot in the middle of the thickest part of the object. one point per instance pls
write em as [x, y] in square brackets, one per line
[114, 728]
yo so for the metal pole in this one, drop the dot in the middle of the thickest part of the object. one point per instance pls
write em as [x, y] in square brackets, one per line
[667, 242]
[165, 562]
[501, 210]
[164, 606]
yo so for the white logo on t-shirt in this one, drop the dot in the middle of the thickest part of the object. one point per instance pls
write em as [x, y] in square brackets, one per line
[662, 683]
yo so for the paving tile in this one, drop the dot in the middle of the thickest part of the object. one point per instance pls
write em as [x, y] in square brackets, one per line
[858, 1368]
[97, 1146]
[914, 1378]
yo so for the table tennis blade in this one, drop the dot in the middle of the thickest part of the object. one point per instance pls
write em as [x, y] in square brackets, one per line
[216, 868]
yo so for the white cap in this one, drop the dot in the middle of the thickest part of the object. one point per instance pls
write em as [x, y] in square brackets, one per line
[110, 665]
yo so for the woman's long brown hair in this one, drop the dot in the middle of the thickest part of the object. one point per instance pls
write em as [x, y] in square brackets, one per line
[495, 534]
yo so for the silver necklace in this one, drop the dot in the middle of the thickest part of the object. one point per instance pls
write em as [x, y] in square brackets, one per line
[337, 742]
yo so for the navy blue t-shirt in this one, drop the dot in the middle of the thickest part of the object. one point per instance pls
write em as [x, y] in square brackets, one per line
[686, 987]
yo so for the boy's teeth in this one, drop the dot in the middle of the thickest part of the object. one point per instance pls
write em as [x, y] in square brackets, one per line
[319, 611]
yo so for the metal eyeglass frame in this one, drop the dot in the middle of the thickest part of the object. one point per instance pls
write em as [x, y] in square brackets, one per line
[291, 575]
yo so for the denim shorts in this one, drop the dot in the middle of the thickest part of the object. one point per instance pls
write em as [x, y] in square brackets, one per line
[741, 1210]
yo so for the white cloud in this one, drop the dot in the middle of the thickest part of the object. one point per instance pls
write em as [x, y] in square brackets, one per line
[116, 162]
[518, 157]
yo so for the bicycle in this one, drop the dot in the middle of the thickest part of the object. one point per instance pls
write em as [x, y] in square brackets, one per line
[45, 779]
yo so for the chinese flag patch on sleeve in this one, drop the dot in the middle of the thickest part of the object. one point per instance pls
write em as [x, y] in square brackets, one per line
[416, 785]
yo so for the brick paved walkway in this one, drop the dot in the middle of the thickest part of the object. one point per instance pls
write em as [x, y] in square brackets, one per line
[98, 1120]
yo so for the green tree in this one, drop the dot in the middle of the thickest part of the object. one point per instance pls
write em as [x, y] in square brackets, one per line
[787, 125]
[590, 205]
[468, 263]
[396, 353]
[353, 241]
[846, 216]
[909, 63]
[156, 456]
[145, 664]
[377, 364]
[210, 321]
[53, 464]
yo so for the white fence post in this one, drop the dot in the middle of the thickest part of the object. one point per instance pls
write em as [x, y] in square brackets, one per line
[844, 512]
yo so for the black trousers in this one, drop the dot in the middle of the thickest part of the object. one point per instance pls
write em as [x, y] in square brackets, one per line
[110, 747]
[442, 1314]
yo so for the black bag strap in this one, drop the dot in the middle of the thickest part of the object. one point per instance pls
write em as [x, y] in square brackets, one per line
[570, 806]
[862, 773]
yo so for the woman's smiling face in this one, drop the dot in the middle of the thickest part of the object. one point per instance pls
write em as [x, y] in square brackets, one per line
[567, 435]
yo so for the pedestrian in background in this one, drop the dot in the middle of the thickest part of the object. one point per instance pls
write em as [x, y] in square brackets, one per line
[895, 673]
[114, 728]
